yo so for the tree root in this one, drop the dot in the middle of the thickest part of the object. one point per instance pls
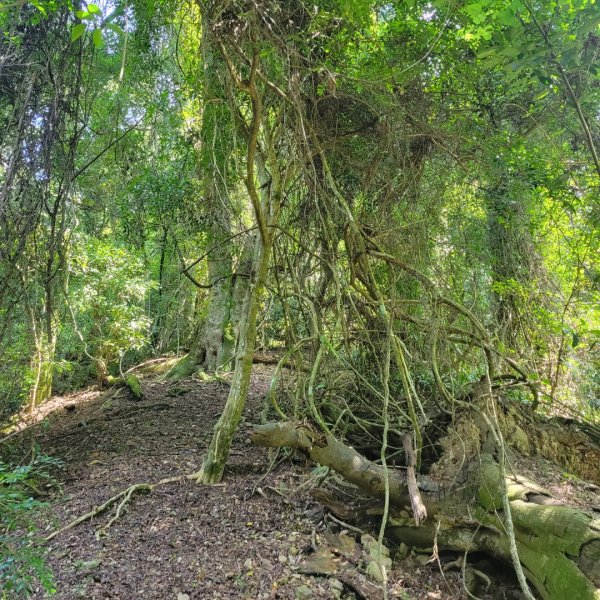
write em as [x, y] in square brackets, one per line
[123, 497]
[556, 547]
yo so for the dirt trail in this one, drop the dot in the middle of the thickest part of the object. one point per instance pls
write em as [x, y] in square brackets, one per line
[242, 539]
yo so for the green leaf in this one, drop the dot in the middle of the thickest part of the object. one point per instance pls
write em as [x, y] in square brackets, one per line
[114, 27]
[98, 39]
[84, 15]
[590, 25]
[39, 6]
[94, 9]
[506, 17]
[489, 52]
[510, 52]
[576, 339]
[77, 31]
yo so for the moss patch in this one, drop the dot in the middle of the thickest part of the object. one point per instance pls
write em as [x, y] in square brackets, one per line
[133, 383]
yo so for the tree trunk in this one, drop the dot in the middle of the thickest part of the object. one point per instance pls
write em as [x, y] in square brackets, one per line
[208, 349]
[214, 343]
[558, 546]
[240, 294]
[214, 462]
[43, 345]
[43, 370]
[514, 265]
[262, 164]
[219, 300]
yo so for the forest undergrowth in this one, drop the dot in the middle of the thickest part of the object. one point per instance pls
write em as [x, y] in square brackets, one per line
[259, 534]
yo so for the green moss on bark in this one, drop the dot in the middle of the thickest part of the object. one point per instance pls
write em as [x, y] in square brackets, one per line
[133, 383]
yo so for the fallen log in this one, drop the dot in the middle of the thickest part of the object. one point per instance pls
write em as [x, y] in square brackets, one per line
[263, 358]
[128, 382]
[558, 546]
[328, 451]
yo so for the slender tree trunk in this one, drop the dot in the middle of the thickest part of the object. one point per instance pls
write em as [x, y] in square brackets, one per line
[42, 368]
[213, 332]
[214, 462]
[240, 294]
[43, 343]
[158, 324]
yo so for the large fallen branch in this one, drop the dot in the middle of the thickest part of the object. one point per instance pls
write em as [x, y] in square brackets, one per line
[328, 451]
[558, 546]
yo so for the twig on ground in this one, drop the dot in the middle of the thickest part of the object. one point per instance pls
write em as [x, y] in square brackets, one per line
[125, 496]
[346, 525]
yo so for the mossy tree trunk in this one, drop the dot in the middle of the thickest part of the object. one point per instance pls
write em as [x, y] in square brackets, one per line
[42, 333]
[515, 263]
[558, 546]
[265, 182]
[216, 457]
[214, 344]
[219, 304]
[208, 347]
[240, 295]
[42, 368]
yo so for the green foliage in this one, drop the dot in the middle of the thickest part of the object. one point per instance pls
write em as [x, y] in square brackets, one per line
[93, 16]
[450, 130]
[22, 557]
[15, 372]
[109, 289]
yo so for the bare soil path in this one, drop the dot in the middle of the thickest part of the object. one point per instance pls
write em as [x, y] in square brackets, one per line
[243, 539]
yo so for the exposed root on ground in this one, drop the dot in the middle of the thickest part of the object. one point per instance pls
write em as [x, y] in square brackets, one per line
[123, 497]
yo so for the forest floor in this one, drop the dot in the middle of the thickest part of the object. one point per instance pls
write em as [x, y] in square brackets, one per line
[249, 538]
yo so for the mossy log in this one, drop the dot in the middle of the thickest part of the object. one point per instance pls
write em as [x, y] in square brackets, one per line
[130, 382]
[134, 386]
[190, 364]
[184, 367]
[558, 546]
[328, 451]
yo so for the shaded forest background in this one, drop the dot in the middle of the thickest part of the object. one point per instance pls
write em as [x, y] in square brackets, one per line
[450, 130]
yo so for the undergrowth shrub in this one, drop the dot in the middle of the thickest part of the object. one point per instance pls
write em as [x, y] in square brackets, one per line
[22, 556]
